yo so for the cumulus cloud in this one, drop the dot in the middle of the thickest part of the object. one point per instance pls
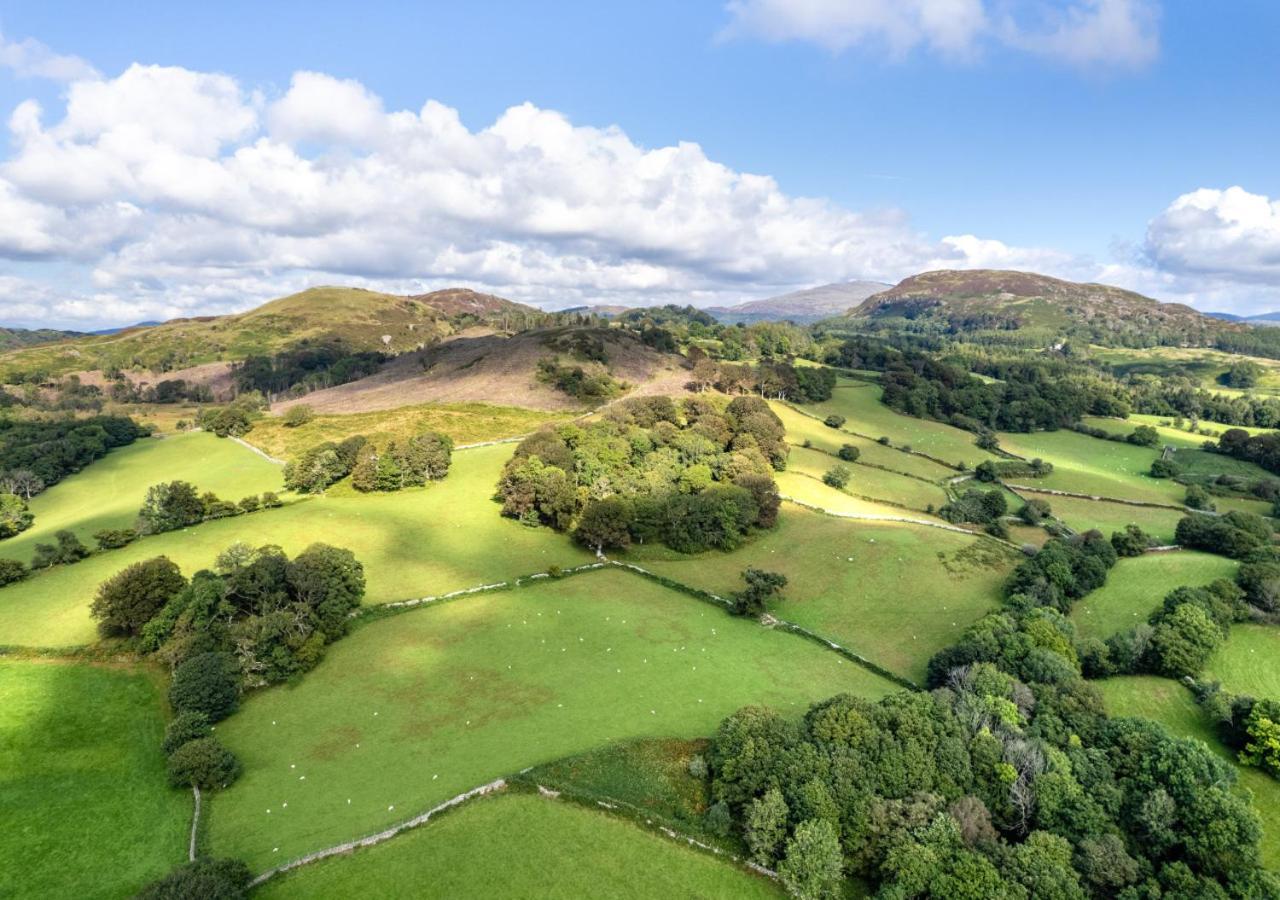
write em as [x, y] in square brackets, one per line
[28, 58]
[1081, 33]
[1230, 234]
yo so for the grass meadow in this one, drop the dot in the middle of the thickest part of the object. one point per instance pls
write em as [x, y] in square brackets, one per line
[413, 709]
[1172, 705]
[524, 846]
[1136, 587]
[1089, 465]
[868, 481]
[1082, 515]
[412, 543]
[1249, 661]
[85, 806]
[801, 428]
[109, 493]
[895, 593]
[1175, 437]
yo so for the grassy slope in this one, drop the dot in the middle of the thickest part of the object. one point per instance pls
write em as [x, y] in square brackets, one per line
[466, 423]
[801, 428]
[1167, 702]
[870, 482]
[1089, 465]
[1249, 662]
[85, 805]
[487, 685]
[1198, 363]
[1178, 437]
[518, 845]
[1109, 517]
[1136, 587]
[894, 593]
[412, 543]
[109, 492]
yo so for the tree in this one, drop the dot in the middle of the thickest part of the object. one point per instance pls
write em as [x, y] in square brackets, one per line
[329, 580]
[128, 600]
[605, 524]
[114, 538]
[426, 457]
[203, 763]
[766, 826]
[205, 879]
[834, 421]
[1263, 747]
[761, 587]
[1144, 436]
[849, 453]
[1164, 468]
[814, 864]
[14, 515]
[1183, 641]
[12, 570]
[837, 476]
[1198, 498]
[207, 683]
[184, 727]
[24, 482]
[315, 470]
[298, 415]
[170, 506]
[67, 548]
[1133, 541]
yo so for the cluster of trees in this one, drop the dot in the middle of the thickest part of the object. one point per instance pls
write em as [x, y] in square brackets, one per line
[695, 476]
[15, 518]
[779, 379]
[305, 367]
[989, 786]
[234, 419]
[1249, 726]
[1177, 396]
[37, 454]
[1262, 449]
[1235, 534]
[996, 470]
[589, 382]
[977, 506]
[172, 505]
[167, 390]
[407, 463]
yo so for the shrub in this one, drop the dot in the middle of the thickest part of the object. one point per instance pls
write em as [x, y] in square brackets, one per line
[184, 727]
[14, 515]
[207, 683]
[270, 500]
[1164, 468]
[128, 600]
[834, 421]
[1144, 436]
[67, 548]
[170, 506]
[837, 476]
[204, 879]
[204, 763]
[250, 504]
[1198, 498]
[12, 570]
[849, 453]
[1133, 541]
[114, 538]
[1035, 511]
[761, 587]
[297, 415]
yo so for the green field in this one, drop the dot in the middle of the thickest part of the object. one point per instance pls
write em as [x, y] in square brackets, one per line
[1089, 465]
[1136, 587]
[895, 593]
[412, 543]
[859, 402]
[1171, 704]
[86, 808]
[804, 489]
[1249, 662]
[1200, 364]
[466, 423]
[801, 428]
[109, 493]
[1177, 437]
[866, 481]
[1082, 515]
[411, 710]
[518, 845]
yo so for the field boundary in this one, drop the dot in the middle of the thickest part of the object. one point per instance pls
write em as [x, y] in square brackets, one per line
[866, 437]
[1150, 504]
[195, 824]
[258, 450]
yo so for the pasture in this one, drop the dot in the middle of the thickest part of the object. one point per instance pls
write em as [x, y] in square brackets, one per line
[867, 481]
[1172, 705]
[1249, 661]
[412, 543]
[801, 428]
[109, 493]
[87, 810]
[1176, 437]
[895, 593]
[1089, 465]
[545, 848]
[1082, 515]
[411, 710]
[1137, 586]
[1201, 364]
[859, 402]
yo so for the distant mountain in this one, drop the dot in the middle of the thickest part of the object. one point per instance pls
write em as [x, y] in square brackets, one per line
[120, 328]
[1271, 318]
[13, 338]
[802, 307]
[356, 318]
[1040, 308]
[607, 311]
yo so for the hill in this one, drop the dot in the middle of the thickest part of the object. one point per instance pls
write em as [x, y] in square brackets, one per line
[802, 307]
[355, 318]
[1041, 308]
[1271, 318]
[13, 338]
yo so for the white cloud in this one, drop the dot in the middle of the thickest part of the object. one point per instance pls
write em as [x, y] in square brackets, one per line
[1081, 33]
[29, 58]
[318, 107]
[1230, 234]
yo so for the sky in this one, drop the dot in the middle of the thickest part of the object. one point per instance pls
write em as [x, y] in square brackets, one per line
[167, 159]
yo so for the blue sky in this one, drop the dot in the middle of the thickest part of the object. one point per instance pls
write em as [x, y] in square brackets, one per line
[1092, 139]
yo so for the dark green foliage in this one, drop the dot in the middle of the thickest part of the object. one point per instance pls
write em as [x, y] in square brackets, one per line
[425, 457]
[834, 421]
[249, 504]
[14, 515]
[66, 548]
[317, 468]
[764, 491]
[1236, 534]
[331, 582]
[204, 879]
[184, 727]
[1260, 582]
[309, 366]
[837, 476]
[12, 570]
[207, 683]
[1133, 541]
[114, 538]
[1144, 436]
[1035, 511]
[51, 449]
[591, 383]
[128, 600]
[169, 507]
[1263, 449]
[975, 505]
[761, 587]
[203, 763]
[813, 865]
[1243, 374]
[1062, 571]
[605, 524]
[1164, 468]
[715, 518]
[849, 453]
[270, 500]
[997, 470]
[297, 415]
[1198, 498]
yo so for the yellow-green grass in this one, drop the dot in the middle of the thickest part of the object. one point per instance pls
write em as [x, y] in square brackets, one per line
[1089, 465]
[110, 491]
[85, 806]
[1249, 661]
[860, 404]
[1136, 587]
[812, 492]
[1177, 437]
[1201, 364]
[417, 542]
[1242, 504]
[801, 428]
[411, 710]
[895, 593]
[1083, 515]
[867, 481]
[1172, 705]
[524, 846]
[466, 423]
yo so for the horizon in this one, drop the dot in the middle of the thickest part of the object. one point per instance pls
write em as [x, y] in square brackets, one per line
[167, 165]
